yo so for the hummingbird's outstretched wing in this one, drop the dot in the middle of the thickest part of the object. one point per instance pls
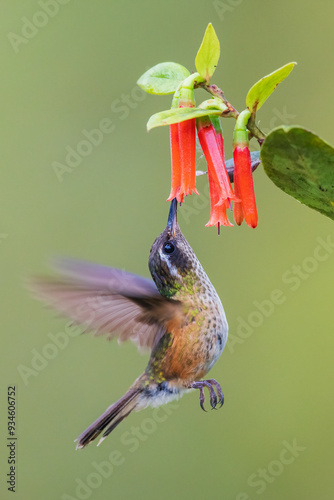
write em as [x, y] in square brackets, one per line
[108, 301]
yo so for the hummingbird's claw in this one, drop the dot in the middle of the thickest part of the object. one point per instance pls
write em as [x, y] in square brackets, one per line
[199, 385]
[220, 394]
[201, 401]
[202, 398]
[213, 396]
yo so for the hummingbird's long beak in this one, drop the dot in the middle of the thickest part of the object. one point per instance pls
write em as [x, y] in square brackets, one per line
[172, 217]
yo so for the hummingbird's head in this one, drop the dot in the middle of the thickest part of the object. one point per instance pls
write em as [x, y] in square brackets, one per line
[172, 261]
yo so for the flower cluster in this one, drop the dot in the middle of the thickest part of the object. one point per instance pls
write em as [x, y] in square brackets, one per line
[210, 136]
[185, 119]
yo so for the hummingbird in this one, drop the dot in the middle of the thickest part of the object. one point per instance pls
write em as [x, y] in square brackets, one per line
[178, 316]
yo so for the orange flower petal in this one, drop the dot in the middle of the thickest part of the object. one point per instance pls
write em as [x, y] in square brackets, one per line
[176, 167]
[244, 188]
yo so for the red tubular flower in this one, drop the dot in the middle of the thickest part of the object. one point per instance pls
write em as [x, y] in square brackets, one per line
[221, 192]
[187, 141]
[183, 151]
[243, 177]
[219, 135]
[176, 166]
[218, 214]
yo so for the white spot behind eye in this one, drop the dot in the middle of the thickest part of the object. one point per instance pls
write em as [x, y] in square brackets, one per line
[165, 258]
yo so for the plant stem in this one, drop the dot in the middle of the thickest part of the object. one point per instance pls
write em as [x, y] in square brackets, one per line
[231, 112]
[255, 131]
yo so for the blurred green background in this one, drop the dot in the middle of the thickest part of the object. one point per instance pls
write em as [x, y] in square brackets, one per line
[76, 69]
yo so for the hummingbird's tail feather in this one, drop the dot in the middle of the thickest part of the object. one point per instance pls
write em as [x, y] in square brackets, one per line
[113, 416]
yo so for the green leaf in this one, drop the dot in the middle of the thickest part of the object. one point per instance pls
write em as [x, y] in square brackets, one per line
[178, 115]
[262, 89]
[208, 54]
[164, 78]
[302, 165]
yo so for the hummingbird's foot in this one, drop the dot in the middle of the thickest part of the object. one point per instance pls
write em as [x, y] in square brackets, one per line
[219, 391]
[213, 397]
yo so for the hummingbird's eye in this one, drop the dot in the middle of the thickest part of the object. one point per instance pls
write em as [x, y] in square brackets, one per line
[169, 247]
